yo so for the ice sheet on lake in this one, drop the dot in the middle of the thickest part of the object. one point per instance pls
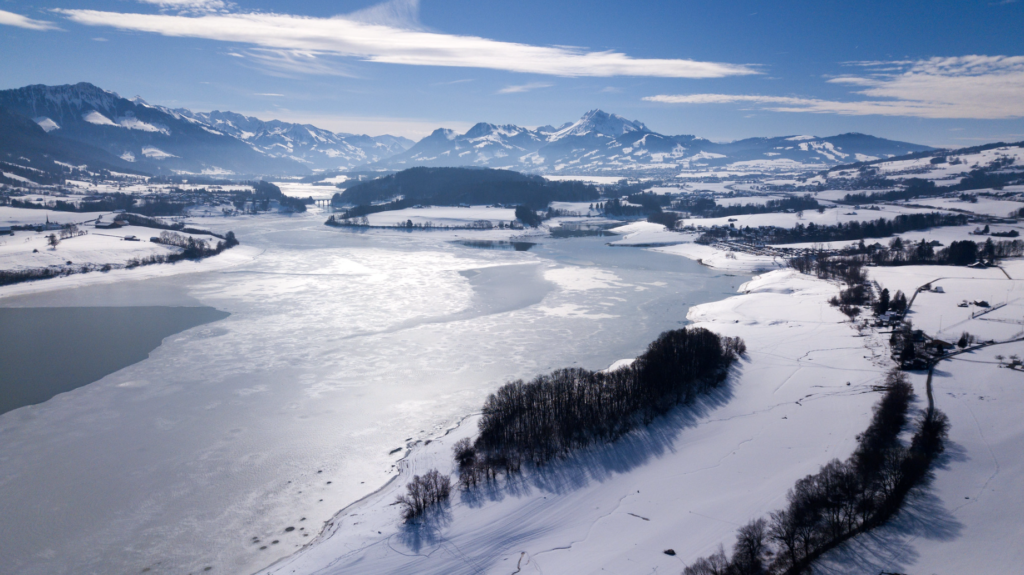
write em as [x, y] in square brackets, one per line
[341, 347]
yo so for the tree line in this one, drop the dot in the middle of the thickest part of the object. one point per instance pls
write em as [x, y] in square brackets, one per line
[844, 498]
[472, 186]
[108, 203]
[846, 231]
[554, 414]
[708, 208]
[958, 253]
[262, 194]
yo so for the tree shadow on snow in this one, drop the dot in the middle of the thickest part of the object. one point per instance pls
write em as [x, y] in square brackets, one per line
[600, 462]
[890, 548]
[425, 530]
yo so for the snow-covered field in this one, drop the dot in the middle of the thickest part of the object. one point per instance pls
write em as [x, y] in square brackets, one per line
[744, 200]
[99, 246]
[968, 519]
[985, 205]
[829, 217]
[938, 313]
[299, 190]
[23, 216]
[685, 483]
[588, 179]
[443, 216]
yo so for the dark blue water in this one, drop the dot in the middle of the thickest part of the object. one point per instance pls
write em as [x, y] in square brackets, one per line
[45, 351]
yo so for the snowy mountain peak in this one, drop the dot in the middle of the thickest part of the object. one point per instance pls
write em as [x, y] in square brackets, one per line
[69, 99]
[484, 129]
[446, 133]
[600, 123]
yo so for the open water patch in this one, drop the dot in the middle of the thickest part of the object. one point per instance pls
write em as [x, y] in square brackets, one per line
[45, 351]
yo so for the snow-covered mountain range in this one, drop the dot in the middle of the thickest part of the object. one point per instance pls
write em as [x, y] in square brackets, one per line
[161, 140]
[600, 142]
[304, 143]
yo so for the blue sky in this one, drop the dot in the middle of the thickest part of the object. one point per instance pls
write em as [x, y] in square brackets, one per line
[934, 72]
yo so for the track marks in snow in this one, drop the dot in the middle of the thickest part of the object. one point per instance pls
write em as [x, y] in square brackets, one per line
[995, 460]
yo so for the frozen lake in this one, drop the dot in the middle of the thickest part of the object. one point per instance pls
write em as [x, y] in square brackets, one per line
[341, 348]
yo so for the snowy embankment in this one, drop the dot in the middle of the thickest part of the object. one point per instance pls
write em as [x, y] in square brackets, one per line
[714, 257]
[660, 239]
[797, 400]
[648, 234]
[94, 249]
[235, 256]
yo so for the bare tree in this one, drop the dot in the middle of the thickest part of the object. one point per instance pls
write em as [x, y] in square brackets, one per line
[751, 544]
[423, 492]
[714, 564]
[52, 240]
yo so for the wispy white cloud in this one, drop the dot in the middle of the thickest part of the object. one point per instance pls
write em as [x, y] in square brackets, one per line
[523, 88]
[966, 87]
[291, 63]
[404, 14]
[270, 94]
[387, 36]
[12, 19]
[193, 6]
[721, 99]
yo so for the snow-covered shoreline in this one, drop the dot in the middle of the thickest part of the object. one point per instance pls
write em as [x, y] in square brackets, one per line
[621, 505]
[235, 256]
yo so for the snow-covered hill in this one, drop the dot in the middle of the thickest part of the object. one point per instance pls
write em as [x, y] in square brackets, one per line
[944, 167]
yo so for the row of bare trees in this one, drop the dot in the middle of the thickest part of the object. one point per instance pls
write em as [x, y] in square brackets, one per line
[844, 498]
[535, 421]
